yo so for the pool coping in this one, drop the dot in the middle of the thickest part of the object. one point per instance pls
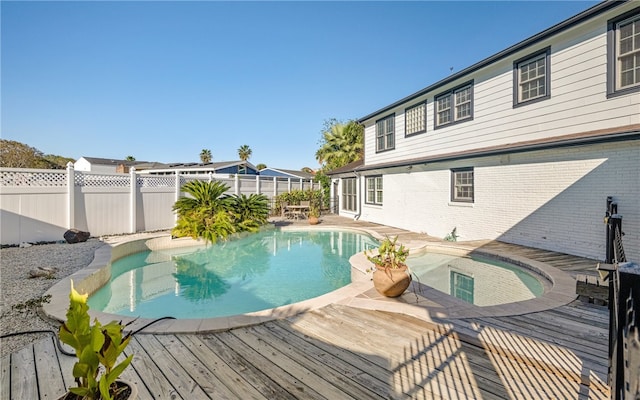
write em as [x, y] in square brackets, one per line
[430, 304]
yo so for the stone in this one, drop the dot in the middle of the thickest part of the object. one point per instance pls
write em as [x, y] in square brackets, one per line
[76, 236]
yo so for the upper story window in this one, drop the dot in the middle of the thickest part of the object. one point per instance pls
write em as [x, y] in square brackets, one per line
[374, 190]
[385, 133]
[623, 52]
[415, 119]
[532, 78]
[462, 185]
[454, 106]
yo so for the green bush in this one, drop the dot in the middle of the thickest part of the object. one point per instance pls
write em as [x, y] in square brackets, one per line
[211, 214]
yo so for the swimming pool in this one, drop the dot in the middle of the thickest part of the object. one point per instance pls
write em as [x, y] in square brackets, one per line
[480, 281]
[261, 271]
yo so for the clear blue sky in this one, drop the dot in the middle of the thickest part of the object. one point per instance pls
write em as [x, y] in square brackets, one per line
[163, 80]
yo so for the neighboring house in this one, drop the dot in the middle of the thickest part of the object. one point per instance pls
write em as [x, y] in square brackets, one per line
[523, 147]
[107, 165]
[285, 173]
[220, 168]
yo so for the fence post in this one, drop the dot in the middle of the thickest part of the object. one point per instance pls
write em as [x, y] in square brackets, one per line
[133, 206]
[237, 184]
[624, 378]
[275, 186]
[71, 196]
[257, 184]
[288, 184]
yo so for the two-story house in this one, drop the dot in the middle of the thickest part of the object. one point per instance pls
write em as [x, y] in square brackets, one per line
[522, 147]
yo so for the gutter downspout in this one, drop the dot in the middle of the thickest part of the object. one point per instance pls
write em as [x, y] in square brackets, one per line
[358, 195]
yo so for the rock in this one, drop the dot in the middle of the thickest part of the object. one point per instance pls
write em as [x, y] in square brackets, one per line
[43, 272]
[76, 236]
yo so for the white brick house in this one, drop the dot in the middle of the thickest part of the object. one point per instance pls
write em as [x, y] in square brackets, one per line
[522, 147]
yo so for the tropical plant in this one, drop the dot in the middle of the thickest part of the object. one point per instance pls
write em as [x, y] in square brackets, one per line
[261, 166]
[97, 347]
[249, 212]
[341, 143]
[205, 156]
[130, 158]
[389, 254]
[244, 152]
[210, 214]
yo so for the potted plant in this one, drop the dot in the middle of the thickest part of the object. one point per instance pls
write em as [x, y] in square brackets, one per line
[97, 348]
[391, 276]
[314, 214]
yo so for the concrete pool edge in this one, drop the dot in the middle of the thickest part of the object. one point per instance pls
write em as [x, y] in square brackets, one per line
[356, 294]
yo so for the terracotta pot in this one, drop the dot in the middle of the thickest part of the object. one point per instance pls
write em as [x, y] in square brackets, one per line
[391, 282]
[133, 393]
[313, 220]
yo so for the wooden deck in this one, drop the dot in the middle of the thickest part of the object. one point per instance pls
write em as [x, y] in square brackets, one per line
[341, 352]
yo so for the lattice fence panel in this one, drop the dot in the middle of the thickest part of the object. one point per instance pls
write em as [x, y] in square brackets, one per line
[150, 181]
[104, 181]
[33, 178]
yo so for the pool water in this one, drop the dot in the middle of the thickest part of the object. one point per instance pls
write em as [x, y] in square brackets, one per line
[479, 281]
[261, 271]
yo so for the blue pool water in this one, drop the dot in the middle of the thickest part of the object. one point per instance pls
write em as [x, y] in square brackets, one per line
[261, 271]
[479, 281]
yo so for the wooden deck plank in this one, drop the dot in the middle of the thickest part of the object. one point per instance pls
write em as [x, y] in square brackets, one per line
[24, 383]
[50, 380]
[281, 376]
[5, 377]
[350, 363]
[227, 375]
[294, 365]
[209, 383]
[183, 383]
[154, 379]
[250, 372]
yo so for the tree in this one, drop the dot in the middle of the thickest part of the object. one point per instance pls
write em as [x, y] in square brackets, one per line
[130, 158]
[244, 152]
[18, 155]
[340, 144]
[308, 170]
[205, 156]
[261, 166]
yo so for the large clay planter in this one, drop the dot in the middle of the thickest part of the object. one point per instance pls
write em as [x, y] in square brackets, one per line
[133, 394]
[391, 282]
[313, 220]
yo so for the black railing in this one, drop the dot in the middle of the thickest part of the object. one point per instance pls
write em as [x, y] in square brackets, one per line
[624, 307]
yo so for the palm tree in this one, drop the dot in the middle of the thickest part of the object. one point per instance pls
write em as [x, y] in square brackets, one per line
[244, 152]
[341, 144]
[261, 166]
[205, 156]
[130, 158]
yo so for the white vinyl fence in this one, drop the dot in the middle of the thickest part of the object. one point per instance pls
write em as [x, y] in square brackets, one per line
[39, 205]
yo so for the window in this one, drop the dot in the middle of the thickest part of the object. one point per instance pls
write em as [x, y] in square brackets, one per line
[349, 192]
[462, 185]
[623, 48]
[532, 78]
[461, 286]
[385, 133]
[454, 106]
[415, 119]
[374, 190]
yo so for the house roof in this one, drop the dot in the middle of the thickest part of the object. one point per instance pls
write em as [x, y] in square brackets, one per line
[298, 174]
[629, 132]
[562, 26]
[352, 166]
[112, 161]
[205, 166]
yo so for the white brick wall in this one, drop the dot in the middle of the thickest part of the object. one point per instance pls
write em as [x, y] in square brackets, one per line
[551, 199]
